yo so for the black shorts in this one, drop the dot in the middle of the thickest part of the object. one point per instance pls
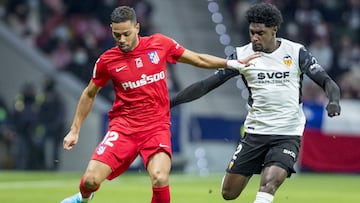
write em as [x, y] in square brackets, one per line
[255, 152]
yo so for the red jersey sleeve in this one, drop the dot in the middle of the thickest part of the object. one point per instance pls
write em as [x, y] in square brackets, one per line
[175, 50]
[100, 73]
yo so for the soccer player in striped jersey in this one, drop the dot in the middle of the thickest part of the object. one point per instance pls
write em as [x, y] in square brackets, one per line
[275, 121]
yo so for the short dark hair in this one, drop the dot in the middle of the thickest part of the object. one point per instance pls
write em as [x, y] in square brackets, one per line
[122, 14]
[264, 13]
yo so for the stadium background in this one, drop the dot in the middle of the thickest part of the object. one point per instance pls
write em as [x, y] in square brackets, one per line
[63, 39]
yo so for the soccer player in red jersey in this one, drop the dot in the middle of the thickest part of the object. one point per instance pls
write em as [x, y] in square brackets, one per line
[139, 120]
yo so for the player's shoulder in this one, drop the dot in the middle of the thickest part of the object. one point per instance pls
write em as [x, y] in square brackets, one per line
[246, 47]
[244, 50]
[156, 39]
[161, 40]
[288, 44]
[110, 55]
[110, 52]
[158, 36]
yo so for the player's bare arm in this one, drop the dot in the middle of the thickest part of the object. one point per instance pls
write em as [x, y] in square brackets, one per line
[311, 68]
[84, 106]
[213, 62]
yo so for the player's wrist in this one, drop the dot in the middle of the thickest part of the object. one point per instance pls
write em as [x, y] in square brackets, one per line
[235, 64]
[74, 130]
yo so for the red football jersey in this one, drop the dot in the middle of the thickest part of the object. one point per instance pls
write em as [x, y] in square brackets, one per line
[139, 80]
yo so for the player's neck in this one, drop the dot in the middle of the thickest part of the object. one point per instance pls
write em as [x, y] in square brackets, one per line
[273, 47]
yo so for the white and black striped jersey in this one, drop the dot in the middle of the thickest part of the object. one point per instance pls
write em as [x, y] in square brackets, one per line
[274, 84]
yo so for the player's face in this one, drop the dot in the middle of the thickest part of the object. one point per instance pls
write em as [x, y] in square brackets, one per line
[262, 37]
[125, 35]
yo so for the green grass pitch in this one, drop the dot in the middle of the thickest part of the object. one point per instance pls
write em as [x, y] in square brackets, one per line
[134, 187]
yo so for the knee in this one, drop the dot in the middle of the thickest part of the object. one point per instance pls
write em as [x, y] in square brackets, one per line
[271, 186]
[272, 178]
[91, 180]
[228, 194]
[159, 178]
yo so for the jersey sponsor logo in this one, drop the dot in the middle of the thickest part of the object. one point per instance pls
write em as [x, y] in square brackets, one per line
[145, 80]
[314, 68]
[273, 77]
[119, 69]
[289, 152]
[154, 57]
[287, 60]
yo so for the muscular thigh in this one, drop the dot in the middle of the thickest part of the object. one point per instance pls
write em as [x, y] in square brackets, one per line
[116, 150]
[98, 169]
[234, 184]
[155, 141]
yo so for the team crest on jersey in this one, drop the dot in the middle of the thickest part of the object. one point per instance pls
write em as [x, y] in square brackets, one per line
[287, 60]
[154, 57]
[101, 149]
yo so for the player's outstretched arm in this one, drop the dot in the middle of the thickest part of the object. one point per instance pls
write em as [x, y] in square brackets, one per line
[309, 65]
[213, 62]
[84, 106]
[202, 87]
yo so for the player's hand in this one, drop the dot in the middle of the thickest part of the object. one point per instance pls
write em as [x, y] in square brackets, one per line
[70, 140]
[333, 109]
[242, 63]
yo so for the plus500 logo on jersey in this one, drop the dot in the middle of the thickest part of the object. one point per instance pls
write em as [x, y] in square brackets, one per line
[145, 80]
[273, 75]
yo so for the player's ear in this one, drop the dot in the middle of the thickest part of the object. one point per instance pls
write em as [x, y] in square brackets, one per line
[137, 26]
[274, 30]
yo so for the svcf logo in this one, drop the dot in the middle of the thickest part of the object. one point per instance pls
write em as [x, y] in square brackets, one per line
[273, 75]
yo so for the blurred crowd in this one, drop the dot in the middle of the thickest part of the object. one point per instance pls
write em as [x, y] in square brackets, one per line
[31, 130]
[330, 29]
[71, 33]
